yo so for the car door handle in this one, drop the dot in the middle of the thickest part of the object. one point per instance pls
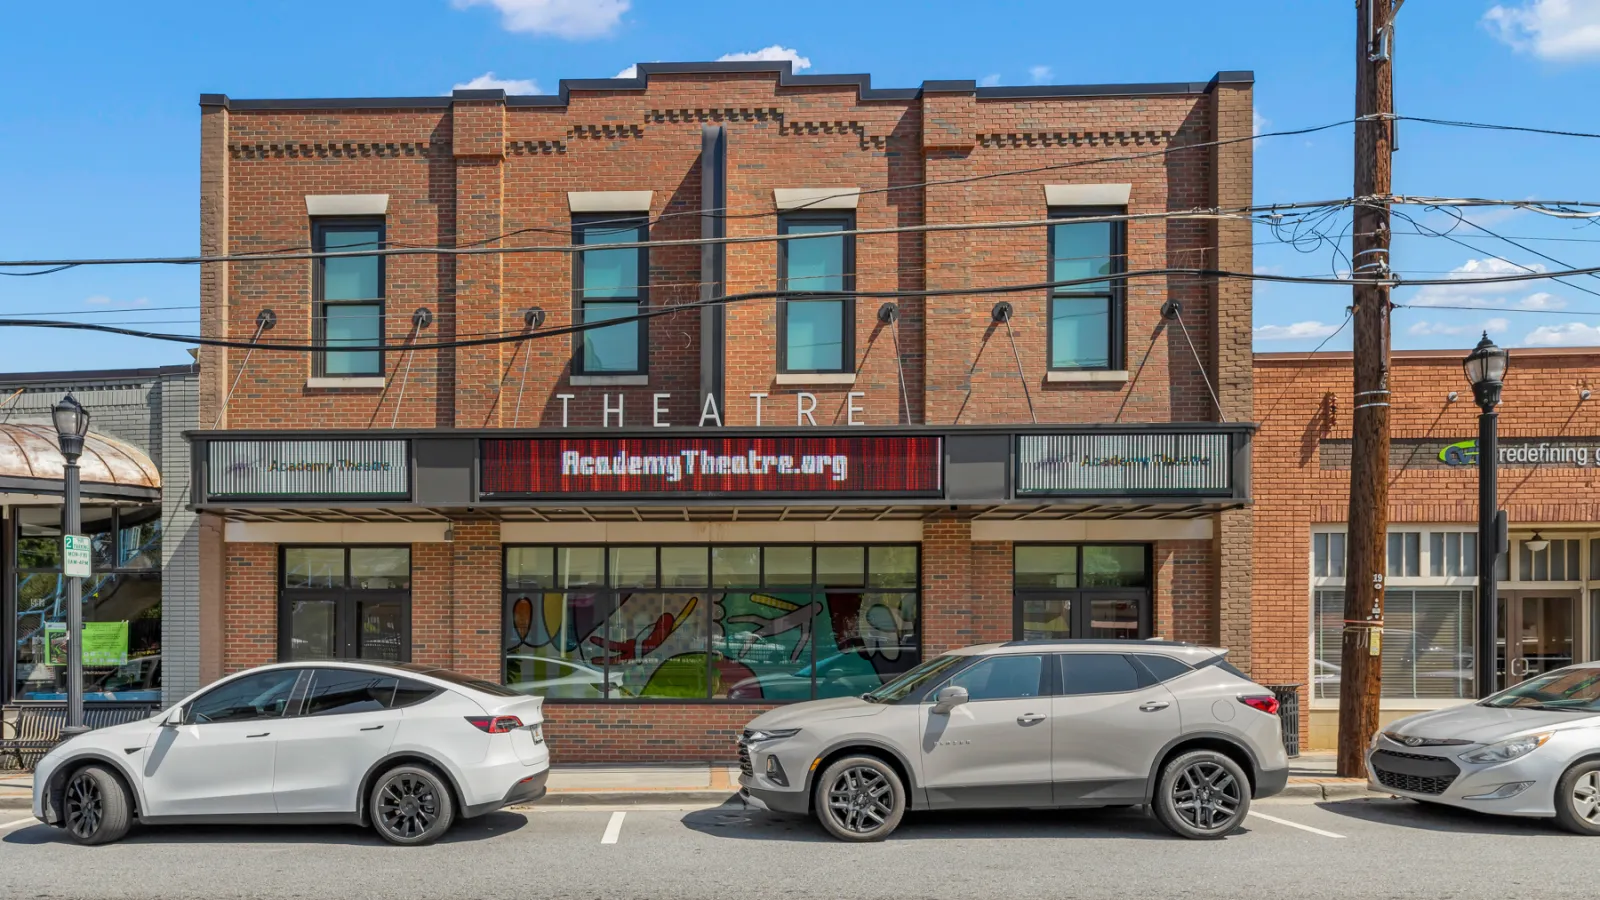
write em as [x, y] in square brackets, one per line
[1029, 719]
[372, 728]
[262, 734]
[1154, 705]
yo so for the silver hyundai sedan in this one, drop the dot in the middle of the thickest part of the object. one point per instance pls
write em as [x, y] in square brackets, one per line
[1028, 724]
[1530, 750]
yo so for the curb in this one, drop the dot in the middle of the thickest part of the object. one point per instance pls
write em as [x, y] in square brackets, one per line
[1319, 790]
[628, 798]
[16, 803]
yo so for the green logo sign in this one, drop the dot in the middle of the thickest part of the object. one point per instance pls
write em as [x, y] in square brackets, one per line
[1461, 453]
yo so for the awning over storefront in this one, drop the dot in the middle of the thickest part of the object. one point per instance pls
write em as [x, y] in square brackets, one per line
[31, 467]
[1124, 472]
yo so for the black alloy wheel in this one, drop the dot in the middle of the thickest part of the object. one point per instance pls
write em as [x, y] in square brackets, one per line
[1203, 795]
[859, 798]
[95, 807]
[411, 806]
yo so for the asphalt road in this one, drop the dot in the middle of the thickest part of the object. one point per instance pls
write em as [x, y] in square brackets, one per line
[1355, 848]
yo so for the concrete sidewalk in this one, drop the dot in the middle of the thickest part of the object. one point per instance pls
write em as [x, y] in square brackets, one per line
[1310, 777]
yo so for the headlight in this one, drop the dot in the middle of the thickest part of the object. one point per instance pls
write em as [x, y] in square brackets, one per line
[1505, 751]
[772, 734]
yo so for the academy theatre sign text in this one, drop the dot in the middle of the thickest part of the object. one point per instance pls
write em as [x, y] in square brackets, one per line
[614, 411]
[722, 466]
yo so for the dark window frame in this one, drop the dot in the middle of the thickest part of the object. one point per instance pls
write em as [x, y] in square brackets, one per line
[320, 226]
[1080, 595]
[345, 597]
[1116, 295]
[606, 597]
[582, 223]
[846, 220]
[14, 572]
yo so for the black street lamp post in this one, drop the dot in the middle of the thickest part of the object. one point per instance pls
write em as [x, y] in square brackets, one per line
[1486, 371]
[72, 423]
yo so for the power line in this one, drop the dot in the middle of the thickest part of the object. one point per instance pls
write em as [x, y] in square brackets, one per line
[1492, 127]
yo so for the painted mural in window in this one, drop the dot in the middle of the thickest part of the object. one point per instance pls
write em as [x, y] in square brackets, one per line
[755, 623]
[121, 605]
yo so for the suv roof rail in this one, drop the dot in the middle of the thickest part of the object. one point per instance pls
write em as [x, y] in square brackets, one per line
[1131, 642]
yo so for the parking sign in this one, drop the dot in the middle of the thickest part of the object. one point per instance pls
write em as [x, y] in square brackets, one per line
[75, 555]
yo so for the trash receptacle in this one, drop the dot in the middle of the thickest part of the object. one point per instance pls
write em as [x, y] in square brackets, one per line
[1288, 715]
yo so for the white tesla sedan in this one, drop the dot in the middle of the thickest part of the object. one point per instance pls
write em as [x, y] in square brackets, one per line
[405, 748]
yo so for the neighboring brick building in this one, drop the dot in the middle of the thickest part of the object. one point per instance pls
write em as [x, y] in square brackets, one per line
[457, 507]
[1550, 446]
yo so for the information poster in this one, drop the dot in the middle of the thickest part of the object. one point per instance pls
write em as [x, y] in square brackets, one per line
[104, 644]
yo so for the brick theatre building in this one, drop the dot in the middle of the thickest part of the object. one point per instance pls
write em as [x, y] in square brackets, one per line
[668, 524]
[1548, 584]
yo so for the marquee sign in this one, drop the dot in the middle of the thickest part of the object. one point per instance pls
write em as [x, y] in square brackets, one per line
[1116, 464]
[354, 469]
[719, 466]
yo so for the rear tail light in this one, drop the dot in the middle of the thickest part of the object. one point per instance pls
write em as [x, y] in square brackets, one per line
[495, 724]
[1264, 702]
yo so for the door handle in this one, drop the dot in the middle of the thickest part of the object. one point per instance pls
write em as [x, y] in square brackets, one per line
[262, 734]
[1029, 719]
[372, 728]
[1154, 706]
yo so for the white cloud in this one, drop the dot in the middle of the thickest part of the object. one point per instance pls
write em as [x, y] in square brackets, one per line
[1571, 334]
[1258, 122]
[1040, 74]
[989, 80]
[1423, 329]
[1486, 295]
[1549, 29]
[1296, 332]
[570, 19]
[487, 82]
[774, 53]
[630, 72]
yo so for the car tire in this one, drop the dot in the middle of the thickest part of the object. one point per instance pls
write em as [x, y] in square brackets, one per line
[95, 806]
[859, 799]
[411, 805]
[1201, 795]
[1578, 798]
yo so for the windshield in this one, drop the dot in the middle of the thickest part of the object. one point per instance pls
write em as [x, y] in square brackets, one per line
[911, 681]
[1574, 689]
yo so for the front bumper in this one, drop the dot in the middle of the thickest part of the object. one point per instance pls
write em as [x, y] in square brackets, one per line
[1438, 775]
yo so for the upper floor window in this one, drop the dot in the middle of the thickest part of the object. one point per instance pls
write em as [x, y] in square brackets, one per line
[611, 283]
[348, 297]
[1086, 319]
[816, 332]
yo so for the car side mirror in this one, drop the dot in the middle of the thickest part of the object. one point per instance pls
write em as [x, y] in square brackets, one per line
[174, 718]
[948, 698]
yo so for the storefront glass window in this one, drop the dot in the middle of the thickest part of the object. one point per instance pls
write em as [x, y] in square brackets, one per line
[1081, 591]
[528, 567]
[1427, 643]
[812, 630]
[345, 603]
[313, 567]
[380, 568]
[121, 605]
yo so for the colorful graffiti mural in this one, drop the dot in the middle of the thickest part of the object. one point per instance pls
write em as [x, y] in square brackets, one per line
[741, 645]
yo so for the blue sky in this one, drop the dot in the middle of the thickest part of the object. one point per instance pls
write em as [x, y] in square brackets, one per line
[98, 138]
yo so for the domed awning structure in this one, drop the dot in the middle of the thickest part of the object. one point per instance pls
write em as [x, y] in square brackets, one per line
[31, 464]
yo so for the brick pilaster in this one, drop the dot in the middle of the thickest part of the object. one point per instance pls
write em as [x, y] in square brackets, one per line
[478, 142]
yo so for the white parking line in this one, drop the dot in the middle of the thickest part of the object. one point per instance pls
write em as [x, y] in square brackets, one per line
[613, 828]
[1294, 825]
[5, 825]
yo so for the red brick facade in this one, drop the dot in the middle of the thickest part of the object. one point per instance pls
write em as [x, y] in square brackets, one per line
[1303, 404]
[467, 171]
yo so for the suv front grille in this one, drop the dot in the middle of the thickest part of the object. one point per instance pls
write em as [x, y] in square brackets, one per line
[744, 754]
[1414, 773]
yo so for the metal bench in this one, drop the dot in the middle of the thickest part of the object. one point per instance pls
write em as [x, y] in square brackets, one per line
[30, 731]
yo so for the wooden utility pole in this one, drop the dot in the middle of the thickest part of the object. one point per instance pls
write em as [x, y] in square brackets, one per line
[1360, 676]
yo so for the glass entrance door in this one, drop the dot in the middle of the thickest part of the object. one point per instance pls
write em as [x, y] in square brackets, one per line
[1536, 634]
[1101, 615]
[345, 603]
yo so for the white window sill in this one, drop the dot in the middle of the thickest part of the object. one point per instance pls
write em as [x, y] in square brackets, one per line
[816, 378]
[609, 380]
[375, 381]
[1088, 375]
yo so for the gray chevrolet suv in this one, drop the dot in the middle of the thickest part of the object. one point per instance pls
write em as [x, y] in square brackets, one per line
[1028, 724]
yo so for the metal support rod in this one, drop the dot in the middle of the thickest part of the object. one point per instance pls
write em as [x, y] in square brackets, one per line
[71, 522]
[1488, 549]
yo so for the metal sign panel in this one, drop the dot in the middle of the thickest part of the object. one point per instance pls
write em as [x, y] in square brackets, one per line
[339, 468]
[75, 549]
[1106, 465]
[715, 466]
